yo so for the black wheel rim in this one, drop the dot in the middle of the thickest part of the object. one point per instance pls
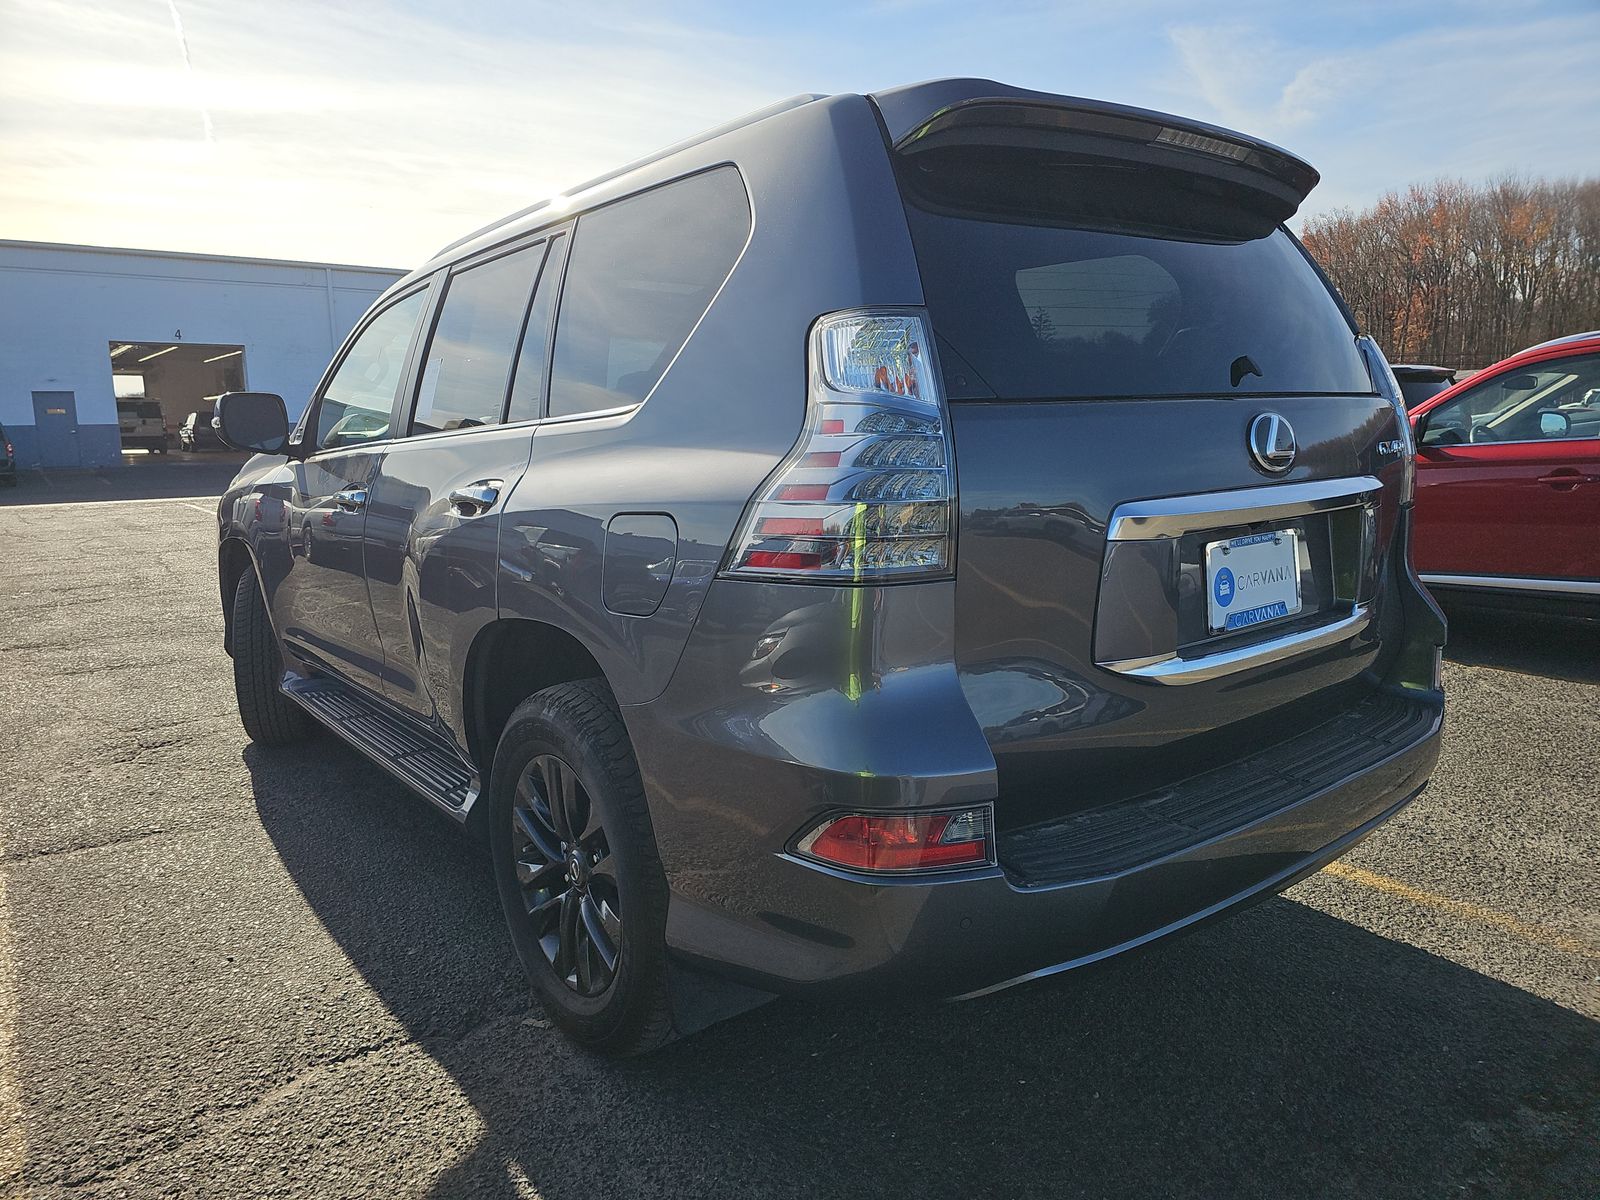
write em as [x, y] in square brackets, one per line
[567, 875]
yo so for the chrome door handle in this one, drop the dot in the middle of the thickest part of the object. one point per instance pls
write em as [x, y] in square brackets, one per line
[353, 500]
[1565, 477]
[474, 499]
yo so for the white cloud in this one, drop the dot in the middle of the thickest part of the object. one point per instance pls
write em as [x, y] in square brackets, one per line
[367, 131]
[349, 135]
[1513, 92]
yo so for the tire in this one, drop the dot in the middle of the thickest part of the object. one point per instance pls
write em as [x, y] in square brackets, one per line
[570, 740]
[269, 717]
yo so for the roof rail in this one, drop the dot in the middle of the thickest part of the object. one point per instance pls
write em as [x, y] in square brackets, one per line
[760, 114]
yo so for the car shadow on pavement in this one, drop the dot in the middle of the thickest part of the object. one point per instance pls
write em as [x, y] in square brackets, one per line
[1553, 647]
[1283, 1052]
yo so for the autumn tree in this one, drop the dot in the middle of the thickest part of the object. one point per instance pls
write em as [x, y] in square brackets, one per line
[1457, 275]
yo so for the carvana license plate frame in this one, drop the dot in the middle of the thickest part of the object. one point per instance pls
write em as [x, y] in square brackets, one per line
[1275, 604]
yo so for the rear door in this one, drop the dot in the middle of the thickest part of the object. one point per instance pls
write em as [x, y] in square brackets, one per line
[1508, 476]
[433, 521]
[316, 580]
[1173, 506]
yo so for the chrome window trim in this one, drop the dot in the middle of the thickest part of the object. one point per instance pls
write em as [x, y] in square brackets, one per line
[530, 424]
[1576, 443]
[1152, 520]
[1173, 670]
[1517, 583]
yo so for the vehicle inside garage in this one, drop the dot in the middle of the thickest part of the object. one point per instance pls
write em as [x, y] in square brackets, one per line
[158, 384]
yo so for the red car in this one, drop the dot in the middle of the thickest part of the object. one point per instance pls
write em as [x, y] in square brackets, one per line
[1508, 480]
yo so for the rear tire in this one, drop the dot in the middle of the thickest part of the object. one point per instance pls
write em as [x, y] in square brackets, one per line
[269, 717]
[580, 878]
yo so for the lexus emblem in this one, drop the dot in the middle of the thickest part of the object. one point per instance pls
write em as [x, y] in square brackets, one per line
[1272, 443]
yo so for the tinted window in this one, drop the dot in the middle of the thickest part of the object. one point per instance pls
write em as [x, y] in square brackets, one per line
[642, 272]
[1416, 391]
[468, 364]
[1550, 401]
[358, 400]
[1037, 310]
[527, 388]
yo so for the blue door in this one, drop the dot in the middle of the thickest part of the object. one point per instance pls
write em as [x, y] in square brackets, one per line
[55, 422]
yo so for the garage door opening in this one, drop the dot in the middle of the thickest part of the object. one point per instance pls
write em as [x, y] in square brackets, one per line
[166, 391]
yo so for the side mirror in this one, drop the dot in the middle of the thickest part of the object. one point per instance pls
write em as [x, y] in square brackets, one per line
[1554, 424]
[253, 421]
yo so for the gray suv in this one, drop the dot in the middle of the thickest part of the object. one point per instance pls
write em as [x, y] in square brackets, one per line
[928, 540]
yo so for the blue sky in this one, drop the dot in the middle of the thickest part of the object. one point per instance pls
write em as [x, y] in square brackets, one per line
[375, 132]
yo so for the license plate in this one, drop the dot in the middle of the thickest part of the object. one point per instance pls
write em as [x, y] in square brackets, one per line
[1252, 580]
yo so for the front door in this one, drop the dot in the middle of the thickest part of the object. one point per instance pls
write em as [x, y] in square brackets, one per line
[434, 516]
[318, 586]
[1508, 476]
[55, 421]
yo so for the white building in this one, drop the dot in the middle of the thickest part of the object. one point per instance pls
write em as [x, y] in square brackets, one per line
[81, 326]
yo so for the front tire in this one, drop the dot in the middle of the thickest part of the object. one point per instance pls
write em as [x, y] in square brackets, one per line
[580, 879]
[269, 717]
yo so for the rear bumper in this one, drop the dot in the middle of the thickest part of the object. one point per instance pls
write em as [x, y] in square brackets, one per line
[744, 751]
[1259, 890]
[779, 923]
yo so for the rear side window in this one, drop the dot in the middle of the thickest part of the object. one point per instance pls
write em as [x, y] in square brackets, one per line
[641, 273]
[1043, 311]
[527, 388]
[467, 368]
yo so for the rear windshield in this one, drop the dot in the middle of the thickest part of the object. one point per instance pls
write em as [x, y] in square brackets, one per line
[1044, 311]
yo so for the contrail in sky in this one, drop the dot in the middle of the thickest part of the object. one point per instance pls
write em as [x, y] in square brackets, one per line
[188, 65]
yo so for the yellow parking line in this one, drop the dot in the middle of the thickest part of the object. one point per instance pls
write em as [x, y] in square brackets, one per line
[12, 1146]
[1461, 908]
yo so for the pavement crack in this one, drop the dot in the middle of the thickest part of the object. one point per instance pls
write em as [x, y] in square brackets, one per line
[211, 1122]
[148, 745]
[27, 856]
[81, 847]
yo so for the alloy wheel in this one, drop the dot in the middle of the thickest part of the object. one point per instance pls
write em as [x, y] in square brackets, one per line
[567, 875]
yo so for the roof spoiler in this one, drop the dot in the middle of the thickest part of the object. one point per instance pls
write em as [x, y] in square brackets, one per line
[954, 113]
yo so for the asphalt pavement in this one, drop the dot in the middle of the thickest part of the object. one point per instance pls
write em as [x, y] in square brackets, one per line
[233, 972]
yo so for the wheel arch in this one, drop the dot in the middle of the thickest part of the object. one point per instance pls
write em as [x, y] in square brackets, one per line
[233, 560]
[510, 660]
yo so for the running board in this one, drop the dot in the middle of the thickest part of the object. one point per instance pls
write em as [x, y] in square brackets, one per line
[417, 757]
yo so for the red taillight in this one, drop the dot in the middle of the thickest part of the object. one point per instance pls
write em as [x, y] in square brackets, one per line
[803, 491]
[903, 841]
[786, 560]
[868, 493]
[791, 527]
